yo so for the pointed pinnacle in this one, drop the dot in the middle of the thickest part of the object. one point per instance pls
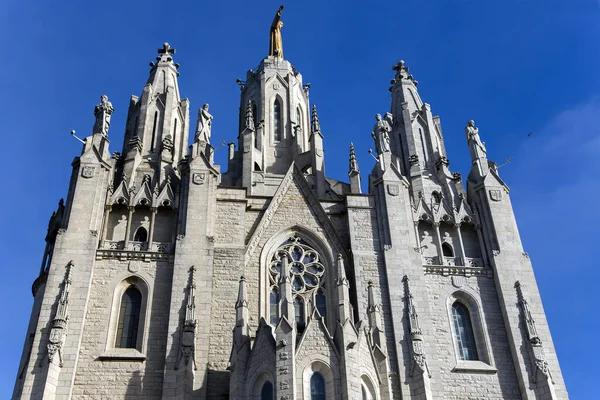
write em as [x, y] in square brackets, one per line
[315, 126]
[249, 115]
[242, 299]
[353, 160]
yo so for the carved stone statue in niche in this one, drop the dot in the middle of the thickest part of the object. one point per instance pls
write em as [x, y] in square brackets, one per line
[102, 112]
[204, 125]
[381, 133]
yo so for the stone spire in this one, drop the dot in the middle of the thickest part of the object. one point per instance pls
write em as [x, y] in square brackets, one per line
[343, 291]
[241, 308]
[315, 126]
[188, 336]
[157, 123]
[249, 116]
[374, 317]
[58, 331]
[354, 172]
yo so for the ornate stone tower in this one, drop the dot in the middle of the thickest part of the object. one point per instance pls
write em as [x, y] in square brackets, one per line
[164, 278]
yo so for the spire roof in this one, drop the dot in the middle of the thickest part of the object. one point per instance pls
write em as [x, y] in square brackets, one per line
[315, 126]
[353, 160]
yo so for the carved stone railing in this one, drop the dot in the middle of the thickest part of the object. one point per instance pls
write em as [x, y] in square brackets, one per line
[162, 247]
[474, 262]
[114, 244]
[458, 270]
[158, 247]
[137, 246]
[452, 261]
[430, 260]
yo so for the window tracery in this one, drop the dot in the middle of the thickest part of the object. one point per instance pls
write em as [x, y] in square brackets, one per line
[306, 272]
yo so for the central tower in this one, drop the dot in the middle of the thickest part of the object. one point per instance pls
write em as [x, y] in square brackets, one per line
[274, 126]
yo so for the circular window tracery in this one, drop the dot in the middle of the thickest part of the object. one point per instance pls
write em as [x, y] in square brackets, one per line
[306, 269]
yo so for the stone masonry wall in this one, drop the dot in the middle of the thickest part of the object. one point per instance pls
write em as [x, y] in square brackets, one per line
[470, 385]
[112, 378]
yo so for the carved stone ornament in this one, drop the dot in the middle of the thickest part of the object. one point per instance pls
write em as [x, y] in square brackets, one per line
[188, 331]
[416, 334]
[393, 190]
[495, 194]
[199, 178]
[458, 281]
[134, 266]
[88, 171]
[413, 159]
[536, 350]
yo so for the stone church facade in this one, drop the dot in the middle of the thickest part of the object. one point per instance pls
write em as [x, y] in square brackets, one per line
[165, 278]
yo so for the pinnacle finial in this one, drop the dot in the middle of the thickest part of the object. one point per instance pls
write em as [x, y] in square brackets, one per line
[315, 125]
[249, 115]
[353, 161]
[242, 299]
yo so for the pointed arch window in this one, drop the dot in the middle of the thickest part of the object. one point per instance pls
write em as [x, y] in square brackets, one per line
[277, 121]
[298, 117]
[141, 235]
[266, 393]
[317, 387]
[306, 271]
[463, 332]
[447, 250]
[364, 393]
[129, 318]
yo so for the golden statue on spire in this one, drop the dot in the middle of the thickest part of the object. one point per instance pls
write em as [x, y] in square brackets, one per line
[276, 44]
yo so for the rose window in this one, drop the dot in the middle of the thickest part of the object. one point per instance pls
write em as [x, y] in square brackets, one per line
[304, 263]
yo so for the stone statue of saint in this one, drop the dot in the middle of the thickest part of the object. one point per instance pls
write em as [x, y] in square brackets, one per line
[476, 146]
[276, 45]
[204, 125]
[103, 111]
[381, 133]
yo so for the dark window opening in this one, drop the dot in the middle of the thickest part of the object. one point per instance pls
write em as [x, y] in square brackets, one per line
[129, 318]
[277, 122]
[447, 250]
[141, 235]
[266, 392]
[317, 387]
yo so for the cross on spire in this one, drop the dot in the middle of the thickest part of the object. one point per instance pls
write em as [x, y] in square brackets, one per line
[166, 49]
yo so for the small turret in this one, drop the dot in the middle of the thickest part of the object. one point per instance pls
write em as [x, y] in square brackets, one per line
[157, 123]
[354, 172]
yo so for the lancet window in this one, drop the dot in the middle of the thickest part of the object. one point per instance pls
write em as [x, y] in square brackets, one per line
[317, 387]
[266, 392]
[129, 318]
[463, 332]
[306, 272]
[277, 121]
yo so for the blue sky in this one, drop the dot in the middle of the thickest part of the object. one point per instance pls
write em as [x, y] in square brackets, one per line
[515, 66]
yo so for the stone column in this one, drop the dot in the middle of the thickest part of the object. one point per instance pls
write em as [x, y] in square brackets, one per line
[151, 228]
[462, 247]
[107, 210]
[128, 229]
[441, 260]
